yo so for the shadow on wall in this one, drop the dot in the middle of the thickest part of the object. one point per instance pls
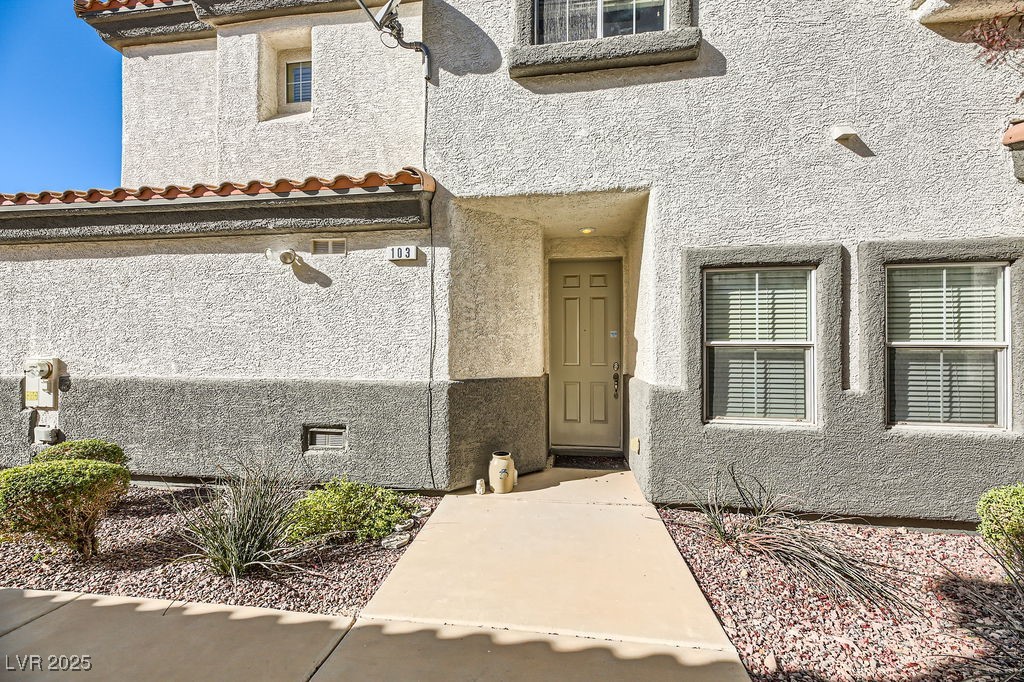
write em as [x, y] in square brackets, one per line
[710, 64]
[467, 48]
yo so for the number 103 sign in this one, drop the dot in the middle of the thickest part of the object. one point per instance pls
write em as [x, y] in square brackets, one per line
[403, 252]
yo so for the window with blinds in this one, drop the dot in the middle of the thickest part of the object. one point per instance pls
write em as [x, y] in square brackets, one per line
[947, 339]
[559, 21]
[759, 344]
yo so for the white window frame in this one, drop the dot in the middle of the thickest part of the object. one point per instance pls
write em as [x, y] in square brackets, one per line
[1003, 393]
[810, 346]
[600, 21]
[284, 58]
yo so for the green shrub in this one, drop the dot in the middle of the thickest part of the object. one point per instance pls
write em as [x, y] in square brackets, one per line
[345, 508]
[1001, 511]
[62, 501]
[245, 526]
[88, 448]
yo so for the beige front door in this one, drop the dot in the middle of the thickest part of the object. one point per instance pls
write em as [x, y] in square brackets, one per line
[586, 356]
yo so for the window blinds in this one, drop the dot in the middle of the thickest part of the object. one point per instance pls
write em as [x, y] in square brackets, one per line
[945, 329]
[758, 333]
[560, 21]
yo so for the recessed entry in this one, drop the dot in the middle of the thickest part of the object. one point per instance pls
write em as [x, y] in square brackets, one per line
[329, 247]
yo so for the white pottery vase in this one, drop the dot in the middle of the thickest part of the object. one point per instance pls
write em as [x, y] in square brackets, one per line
[502, 472]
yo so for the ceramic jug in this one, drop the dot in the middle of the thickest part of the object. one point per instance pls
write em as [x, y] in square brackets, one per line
[502, 472]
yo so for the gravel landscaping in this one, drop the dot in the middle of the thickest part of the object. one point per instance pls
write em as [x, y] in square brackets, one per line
[139, 547]
[787, 632]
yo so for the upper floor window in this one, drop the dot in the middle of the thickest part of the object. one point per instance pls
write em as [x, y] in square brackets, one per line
[559, 21]
[294, 81]
[299, 83]
[946, 331]
[759, 344]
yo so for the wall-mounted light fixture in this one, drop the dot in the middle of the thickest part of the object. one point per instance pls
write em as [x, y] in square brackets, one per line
[284, 257]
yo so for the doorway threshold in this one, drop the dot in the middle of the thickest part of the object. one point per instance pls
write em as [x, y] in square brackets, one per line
[589, 459]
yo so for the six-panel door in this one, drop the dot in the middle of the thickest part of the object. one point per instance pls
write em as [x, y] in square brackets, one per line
[585, 353]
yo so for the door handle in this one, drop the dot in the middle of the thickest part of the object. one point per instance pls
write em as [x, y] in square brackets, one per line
[615, 386]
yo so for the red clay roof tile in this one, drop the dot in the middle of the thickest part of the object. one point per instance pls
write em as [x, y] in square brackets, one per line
[85, 6]
[406, 176]
[1014, 134]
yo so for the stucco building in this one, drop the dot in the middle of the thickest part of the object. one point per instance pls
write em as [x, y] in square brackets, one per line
[780, 236]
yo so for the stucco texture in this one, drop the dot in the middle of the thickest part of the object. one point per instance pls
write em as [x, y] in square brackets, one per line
[367, 110]
[216, 307]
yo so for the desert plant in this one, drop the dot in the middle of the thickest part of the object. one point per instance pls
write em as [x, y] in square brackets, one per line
[247, 522]
[1001, 511]
[760, 523]
[346, 508]
[62, 501]
[87, 448]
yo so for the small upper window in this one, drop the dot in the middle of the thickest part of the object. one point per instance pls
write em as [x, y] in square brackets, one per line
[299, 84]
[559, 21]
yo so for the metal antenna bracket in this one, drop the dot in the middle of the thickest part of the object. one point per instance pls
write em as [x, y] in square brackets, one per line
[386, 21]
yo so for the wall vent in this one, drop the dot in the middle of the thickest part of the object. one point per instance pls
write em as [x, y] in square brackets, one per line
[329, 247]
[333, 437]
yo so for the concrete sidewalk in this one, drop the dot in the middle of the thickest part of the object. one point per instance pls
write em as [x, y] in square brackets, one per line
[572, 577]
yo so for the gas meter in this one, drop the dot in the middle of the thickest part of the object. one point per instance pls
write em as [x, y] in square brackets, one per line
[42, 377]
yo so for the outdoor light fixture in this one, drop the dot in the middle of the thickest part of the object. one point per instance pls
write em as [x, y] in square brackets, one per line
[386, 21]
[586, 230]
[285, 257]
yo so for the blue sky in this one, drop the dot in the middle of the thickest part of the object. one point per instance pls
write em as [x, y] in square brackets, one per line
[61, 118]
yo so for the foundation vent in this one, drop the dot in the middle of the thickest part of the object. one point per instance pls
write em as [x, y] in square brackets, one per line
[333, 437]
[329, 247]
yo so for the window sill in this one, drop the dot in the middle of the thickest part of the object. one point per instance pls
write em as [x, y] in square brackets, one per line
[641, 49]
[289, 116]
[762, 423]
[950, 430]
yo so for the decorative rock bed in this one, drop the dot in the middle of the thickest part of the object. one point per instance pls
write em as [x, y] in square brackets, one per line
[139, 547]
[784, 631]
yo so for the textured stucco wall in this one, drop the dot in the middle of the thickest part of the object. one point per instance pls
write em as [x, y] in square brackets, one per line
[169, 119]
[496, 297]
[192, 109]
[736, 145]
[847, 461]
[215, 307]
[735, 150]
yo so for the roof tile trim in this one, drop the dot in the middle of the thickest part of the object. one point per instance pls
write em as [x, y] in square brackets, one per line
[406, 176]
[87, 6]
[1014, 134]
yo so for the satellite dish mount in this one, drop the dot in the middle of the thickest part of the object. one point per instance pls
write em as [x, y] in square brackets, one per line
[386, 21]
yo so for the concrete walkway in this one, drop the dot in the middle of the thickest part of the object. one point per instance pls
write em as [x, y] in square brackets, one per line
[571, 577]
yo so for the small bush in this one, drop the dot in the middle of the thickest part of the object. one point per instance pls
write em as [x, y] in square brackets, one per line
[62, 501]
[89, 448]
[246, 524]
[345, 508]
[1001, 511]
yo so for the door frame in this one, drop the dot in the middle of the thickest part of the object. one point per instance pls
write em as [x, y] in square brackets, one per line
[623, 390]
